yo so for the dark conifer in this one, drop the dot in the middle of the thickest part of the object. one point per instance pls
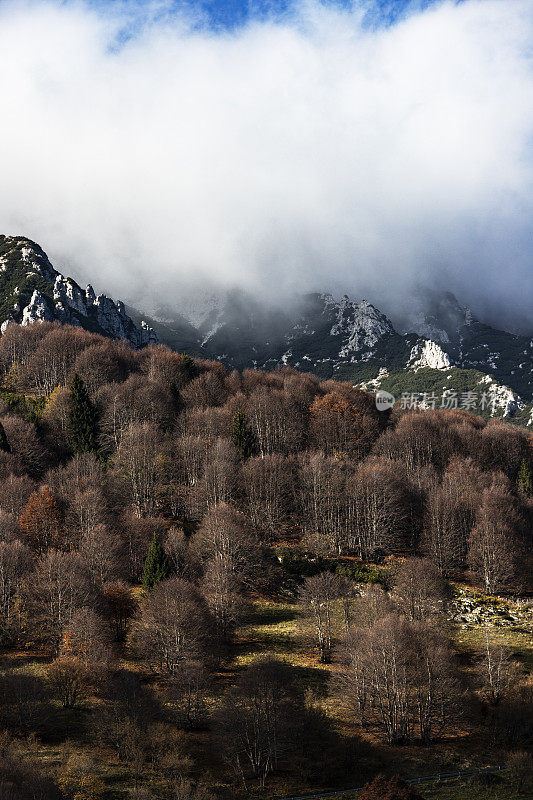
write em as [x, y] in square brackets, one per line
[156, 566]
[525, 478]
[4, 444]
[83, 418]
[243, 436]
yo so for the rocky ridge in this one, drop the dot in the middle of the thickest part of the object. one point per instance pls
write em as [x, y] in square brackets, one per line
[353, 340]
[31, 290]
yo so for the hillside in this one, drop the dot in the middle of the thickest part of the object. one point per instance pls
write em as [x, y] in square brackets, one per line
[220, 585]
[354, 341]
[450, 351]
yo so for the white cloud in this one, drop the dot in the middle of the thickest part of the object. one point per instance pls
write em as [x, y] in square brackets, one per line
[312, 153]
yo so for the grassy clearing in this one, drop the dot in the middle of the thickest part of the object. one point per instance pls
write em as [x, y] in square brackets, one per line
[519, 640]
[283, 629]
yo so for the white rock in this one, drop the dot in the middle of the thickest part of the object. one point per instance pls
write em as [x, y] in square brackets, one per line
[428, 354]
[70, 295]
[37, 310]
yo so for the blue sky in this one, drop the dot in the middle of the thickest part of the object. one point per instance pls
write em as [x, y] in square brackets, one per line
[232, 14]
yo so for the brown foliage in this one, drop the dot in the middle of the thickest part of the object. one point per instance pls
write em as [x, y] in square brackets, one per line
[343, 423]
[41, 521]
[395, 788]
[173, 627]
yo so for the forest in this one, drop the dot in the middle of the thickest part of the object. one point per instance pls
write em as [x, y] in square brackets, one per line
[220, 585]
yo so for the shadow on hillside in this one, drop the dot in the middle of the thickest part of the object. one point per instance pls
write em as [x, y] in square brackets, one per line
[270, 615]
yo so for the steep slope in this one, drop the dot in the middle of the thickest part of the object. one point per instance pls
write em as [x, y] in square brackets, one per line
[472, 344]
[354, 341]
[445, 350]
[31, 290]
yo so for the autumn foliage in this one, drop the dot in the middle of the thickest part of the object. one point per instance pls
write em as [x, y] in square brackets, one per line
[389, 789]
[40, 521]
[264, 512]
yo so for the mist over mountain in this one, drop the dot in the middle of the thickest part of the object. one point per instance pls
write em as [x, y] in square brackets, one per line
[309, 150]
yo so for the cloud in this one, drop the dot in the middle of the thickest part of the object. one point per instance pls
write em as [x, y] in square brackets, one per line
[147, 152]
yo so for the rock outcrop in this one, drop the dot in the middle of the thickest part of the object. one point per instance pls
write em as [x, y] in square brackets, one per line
[427, 353]
[31, 290]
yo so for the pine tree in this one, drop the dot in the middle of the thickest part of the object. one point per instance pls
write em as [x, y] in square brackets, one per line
[156, 566]
[525, 478]
[189, 366]
[83, 418]
[243, 436]
[4, 444]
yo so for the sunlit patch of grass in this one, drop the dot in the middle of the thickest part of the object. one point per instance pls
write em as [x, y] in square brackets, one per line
[518, 640]
[497, 787]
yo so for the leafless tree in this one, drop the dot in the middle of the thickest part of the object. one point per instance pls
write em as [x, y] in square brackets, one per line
[497, 670]
[15, 563]
[105, 362]
[382, 503]
[278, 421]
[16, 491]
[87, 638]
[450, 511]
[189, 691]
[136, 459]
[26, 448]
[269, 487]
[220, 473]
[226, 536]
[495, 543]
[101, 552]
[419, 589]
[173, 627]
[59, 586]
[258, 723]
[400, 676]
[327, 509]
[319, 594]
[221, 591]
[68, 679]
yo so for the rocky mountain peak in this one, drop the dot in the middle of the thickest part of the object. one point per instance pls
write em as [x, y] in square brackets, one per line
[361, 324]
[32, 290]
[442, 318]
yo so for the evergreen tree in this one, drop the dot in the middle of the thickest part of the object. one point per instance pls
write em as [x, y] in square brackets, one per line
[156, 566]
[83, 418]
[189, 366]
[243, 436]
[4, 444]
[525, 478]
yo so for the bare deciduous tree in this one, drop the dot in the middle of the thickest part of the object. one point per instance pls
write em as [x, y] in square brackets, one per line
[173, 627]
[319, 593]
[136, 459]
[497, 671]
[259, 721]
[420, 589]
[495, 540]
[400, 676]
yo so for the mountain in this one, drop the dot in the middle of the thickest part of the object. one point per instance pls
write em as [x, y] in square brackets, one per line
[31, 290]
[446, 350]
